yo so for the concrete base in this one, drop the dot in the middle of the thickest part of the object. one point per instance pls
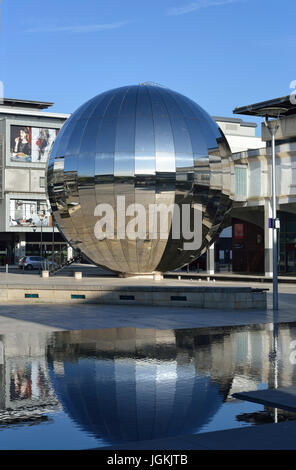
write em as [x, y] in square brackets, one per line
[133, 293]
[153, 276]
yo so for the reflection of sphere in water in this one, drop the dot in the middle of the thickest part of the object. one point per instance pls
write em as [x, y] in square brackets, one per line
[119, 396]
[154, 147]
[128, 400]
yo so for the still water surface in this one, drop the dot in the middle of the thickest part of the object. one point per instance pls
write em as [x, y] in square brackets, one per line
[93, 388]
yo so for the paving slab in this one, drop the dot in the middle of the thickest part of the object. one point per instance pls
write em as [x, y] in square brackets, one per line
[88, 316]
[283, 398]
[281, 436]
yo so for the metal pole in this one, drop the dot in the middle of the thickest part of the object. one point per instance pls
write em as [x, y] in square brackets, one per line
[52, 249]
[273, 127]
[41, 250]
[274, 229]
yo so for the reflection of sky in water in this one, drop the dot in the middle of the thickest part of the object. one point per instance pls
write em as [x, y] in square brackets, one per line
[154, 384]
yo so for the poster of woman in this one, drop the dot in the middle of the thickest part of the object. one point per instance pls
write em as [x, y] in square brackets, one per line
[42, 140]
[21, 143]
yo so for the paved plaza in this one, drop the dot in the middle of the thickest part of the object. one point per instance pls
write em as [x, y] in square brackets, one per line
[20, 317]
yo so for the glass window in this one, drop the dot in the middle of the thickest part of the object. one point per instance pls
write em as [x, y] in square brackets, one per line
[240, 181]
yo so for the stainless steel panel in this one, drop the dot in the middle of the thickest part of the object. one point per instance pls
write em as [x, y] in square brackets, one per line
[124, 164]
[125, 135]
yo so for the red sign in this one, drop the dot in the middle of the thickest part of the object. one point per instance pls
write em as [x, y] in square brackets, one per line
[239, 231]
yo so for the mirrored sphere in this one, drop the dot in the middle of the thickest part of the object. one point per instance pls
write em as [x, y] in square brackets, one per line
[147, 145]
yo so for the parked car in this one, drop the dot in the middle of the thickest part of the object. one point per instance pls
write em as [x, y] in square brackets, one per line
[35, 262]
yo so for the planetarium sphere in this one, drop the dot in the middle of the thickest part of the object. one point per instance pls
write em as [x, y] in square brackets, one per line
[143, 147]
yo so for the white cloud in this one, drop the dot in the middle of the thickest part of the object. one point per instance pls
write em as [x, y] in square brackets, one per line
[78, 29]
[175, 11]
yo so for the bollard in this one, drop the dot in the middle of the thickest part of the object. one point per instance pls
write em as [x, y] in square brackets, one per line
[6, 268]
[157, 277]
[45, 274]
[78, 275]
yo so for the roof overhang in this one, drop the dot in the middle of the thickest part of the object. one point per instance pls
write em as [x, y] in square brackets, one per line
[257, 109]
[16, 103]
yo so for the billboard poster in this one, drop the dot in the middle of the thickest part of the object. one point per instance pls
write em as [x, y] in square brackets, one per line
[42, 140]
[21, 143]
[29, 383]
[31, 144]
[20, 381]
[27, 213]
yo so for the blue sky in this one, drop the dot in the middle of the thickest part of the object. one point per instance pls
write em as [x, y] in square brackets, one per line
[220, 53]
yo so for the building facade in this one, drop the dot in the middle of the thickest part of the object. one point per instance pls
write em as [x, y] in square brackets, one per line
[252, 235]
[26, 135]
[240, 135]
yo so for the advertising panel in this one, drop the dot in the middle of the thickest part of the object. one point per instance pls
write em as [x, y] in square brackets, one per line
[31, 144]
[27, 213]
[20, 143]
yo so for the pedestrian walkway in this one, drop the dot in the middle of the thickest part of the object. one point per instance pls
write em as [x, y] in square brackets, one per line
[91, 270]
[231, 277]
[283, 398]
[279, 436]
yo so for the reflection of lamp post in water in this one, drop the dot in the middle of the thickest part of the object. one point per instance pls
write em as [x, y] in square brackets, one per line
[274, 356]
[52, 249]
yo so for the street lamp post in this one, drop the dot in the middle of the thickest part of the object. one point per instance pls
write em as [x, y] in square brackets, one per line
[273, 126]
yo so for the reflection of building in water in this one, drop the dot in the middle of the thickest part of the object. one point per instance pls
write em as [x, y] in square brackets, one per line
[25, 389]
[131, 384]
